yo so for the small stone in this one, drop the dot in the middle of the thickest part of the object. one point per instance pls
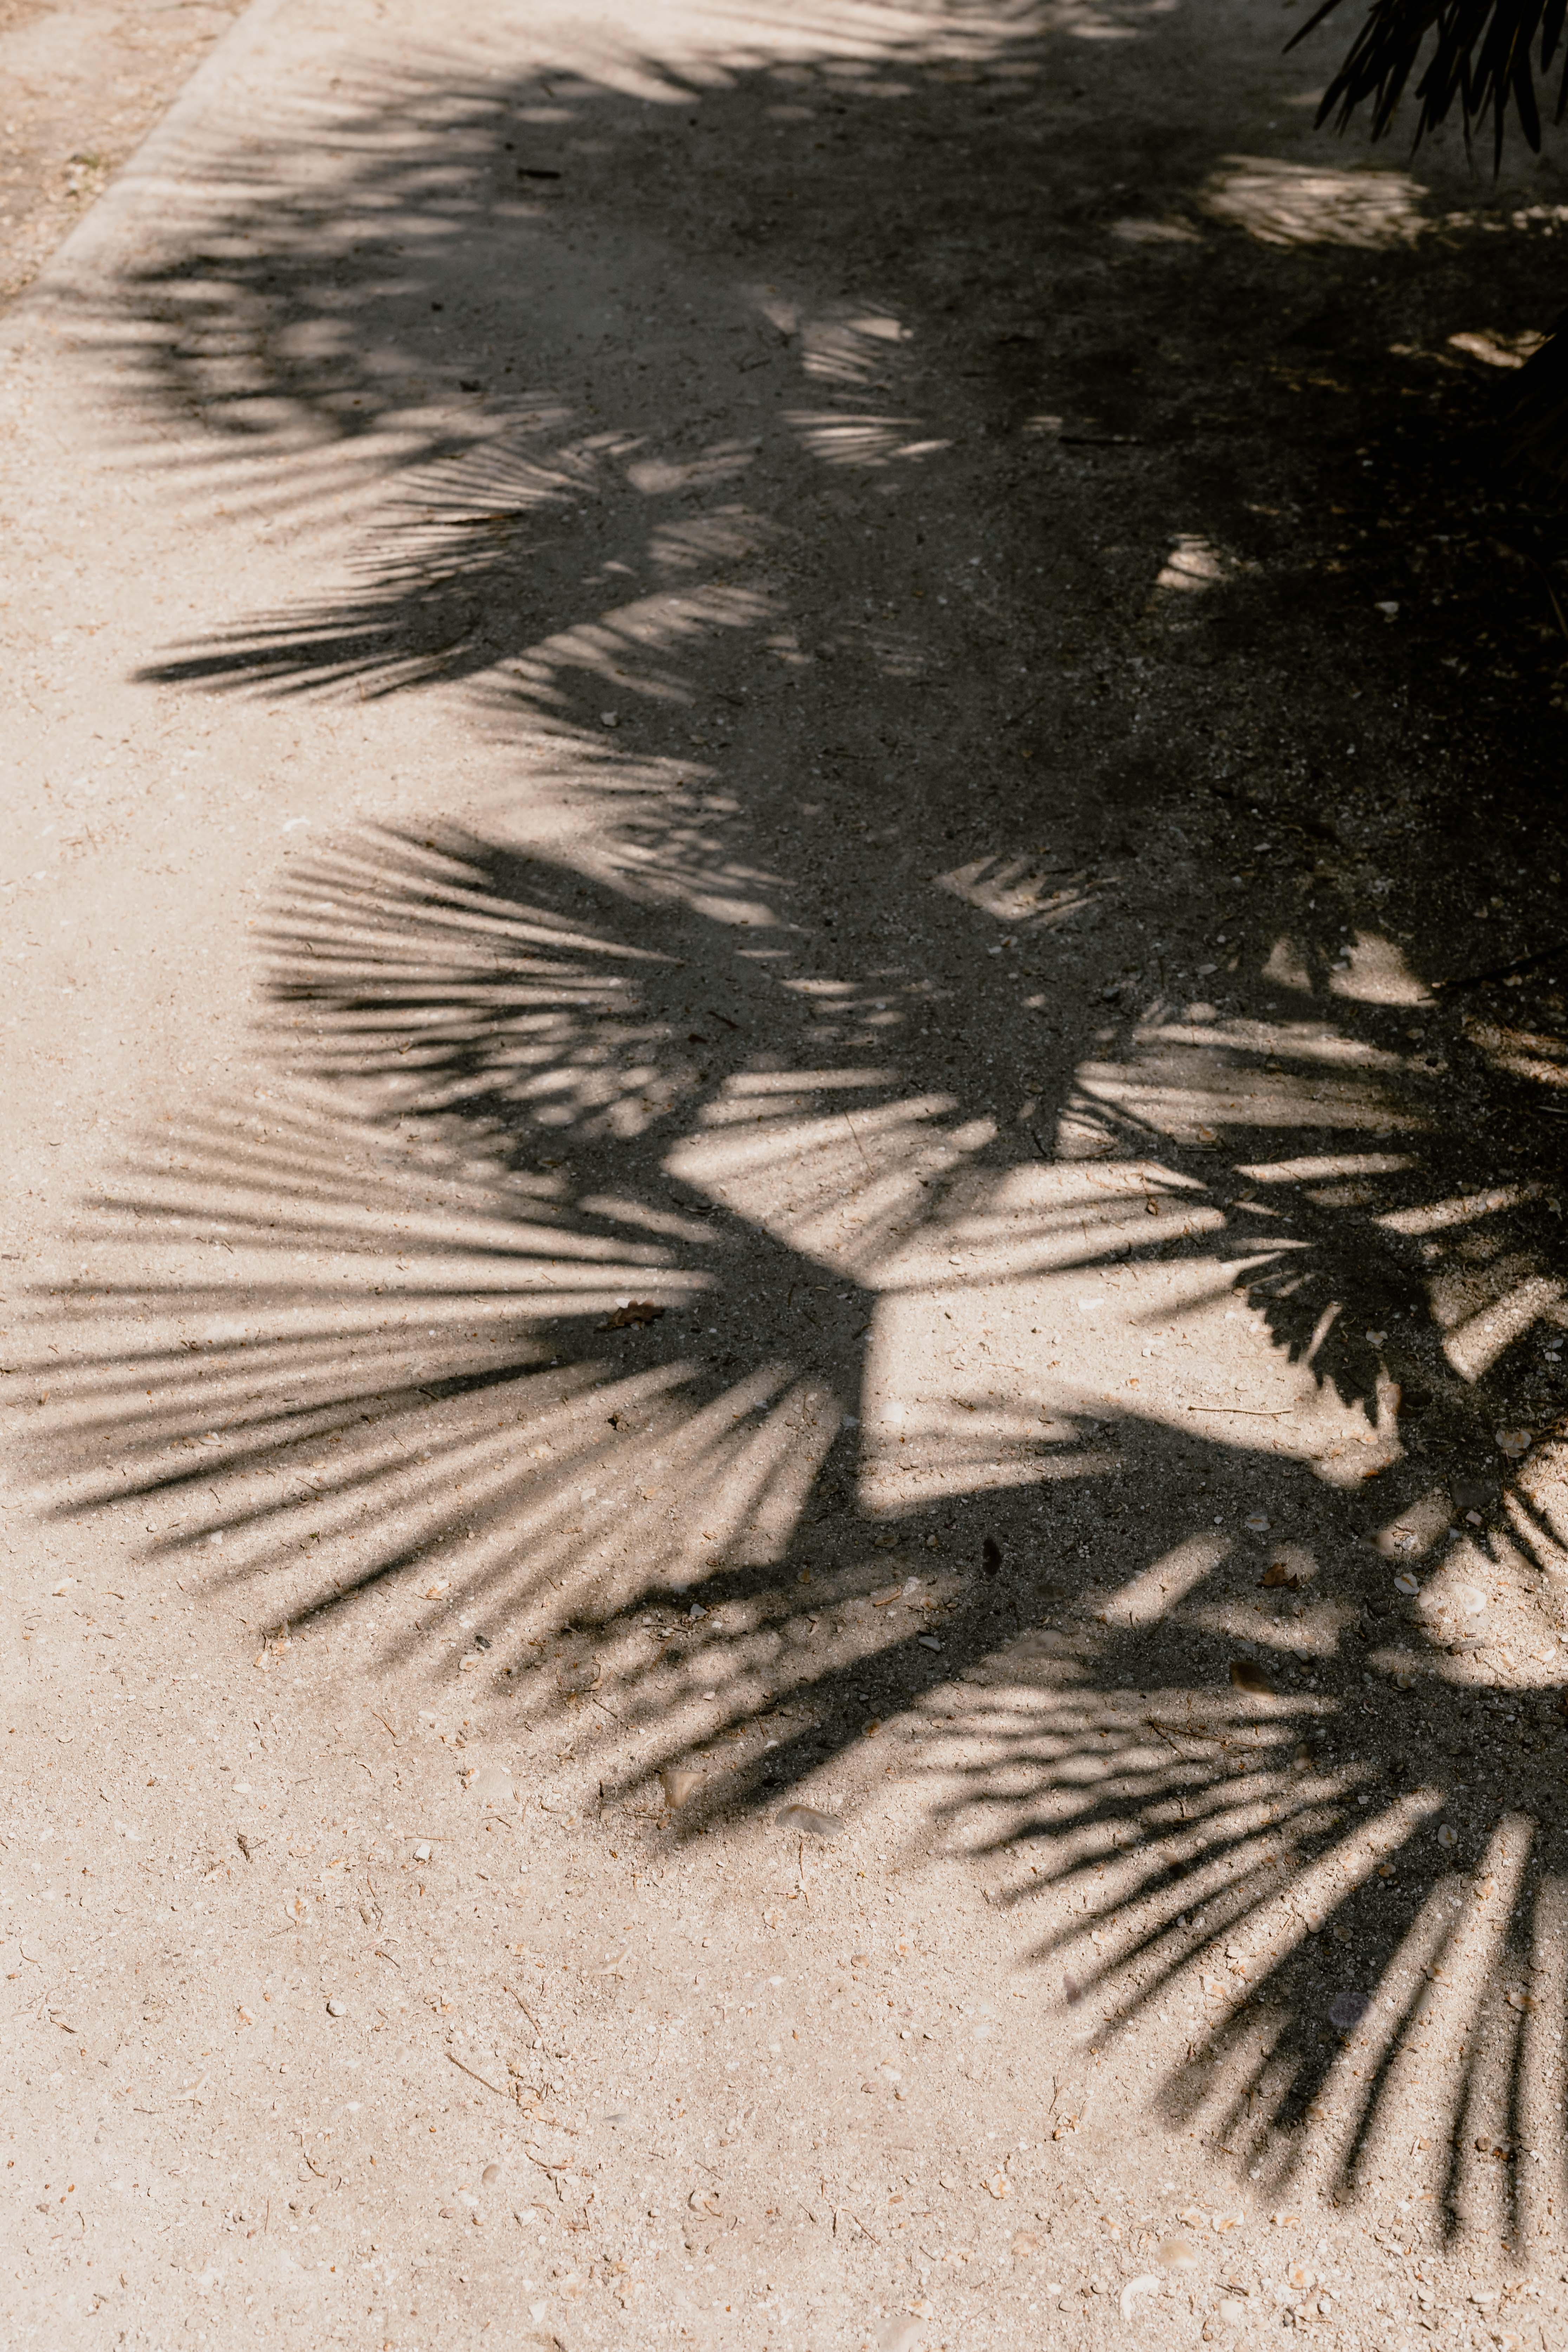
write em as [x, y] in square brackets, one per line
[490, 2175]
[1376, 1339]
[1347, 2010]
[1175, 2254]
[1525, 2002]
[1246, 1674]
[1148, 2285]
[1232, 2313]
[808, 1823]
[1258, 1522]
[1514, 1442]
[1448, 1834]
[1023, 2244]
[337, 2006]
[681, 1784]
[1407, 1583]
[491, 1783]
[422, 1852]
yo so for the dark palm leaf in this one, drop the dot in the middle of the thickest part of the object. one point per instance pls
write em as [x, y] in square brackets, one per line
[1481, 61]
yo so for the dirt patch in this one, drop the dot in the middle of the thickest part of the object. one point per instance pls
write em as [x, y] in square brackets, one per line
[80, 88]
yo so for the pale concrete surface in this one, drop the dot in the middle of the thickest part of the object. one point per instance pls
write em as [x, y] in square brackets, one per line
[675, 659]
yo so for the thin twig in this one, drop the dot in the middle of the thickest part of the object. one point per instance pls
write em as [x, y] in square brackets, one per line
[1504, 971]
[468, 2070]
[1244, 1412]
[526, 2010]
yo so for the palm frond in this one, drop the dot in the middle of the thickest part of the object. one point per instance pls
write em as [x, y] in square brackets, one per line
[1481, 58]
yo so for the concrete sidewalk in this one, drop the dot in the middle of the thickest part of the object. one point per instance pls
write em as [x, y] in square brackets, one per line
[782, 1496]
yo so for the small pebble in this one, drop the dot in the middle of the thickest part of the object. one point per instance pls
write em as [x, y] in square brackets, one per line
[808, 1821]
[1407, 1583]
[681, 1784]
[1248, 1675]
[1514, 1442]
[1175, 2254]
[1448, 1834]
[337, 2006]
[1232, 2312]
[421, 1854]
[491, 1783]
[490, 2175]
[1347, 2010]
[1258, 1522]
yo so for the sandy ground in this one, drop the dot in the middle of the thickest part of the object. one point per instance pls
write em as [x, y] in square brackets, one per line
[848, 684]
[80, 86]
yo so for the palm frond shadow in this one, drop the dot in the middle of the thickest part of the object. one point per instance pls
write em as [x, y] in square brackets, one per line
[497, 1124]
[604, 1305]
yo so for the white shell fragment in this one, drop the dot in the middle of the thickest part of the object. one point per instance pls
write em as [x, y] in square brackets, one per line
[680, 1783]
[1148, 2285]
[808, 1821]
